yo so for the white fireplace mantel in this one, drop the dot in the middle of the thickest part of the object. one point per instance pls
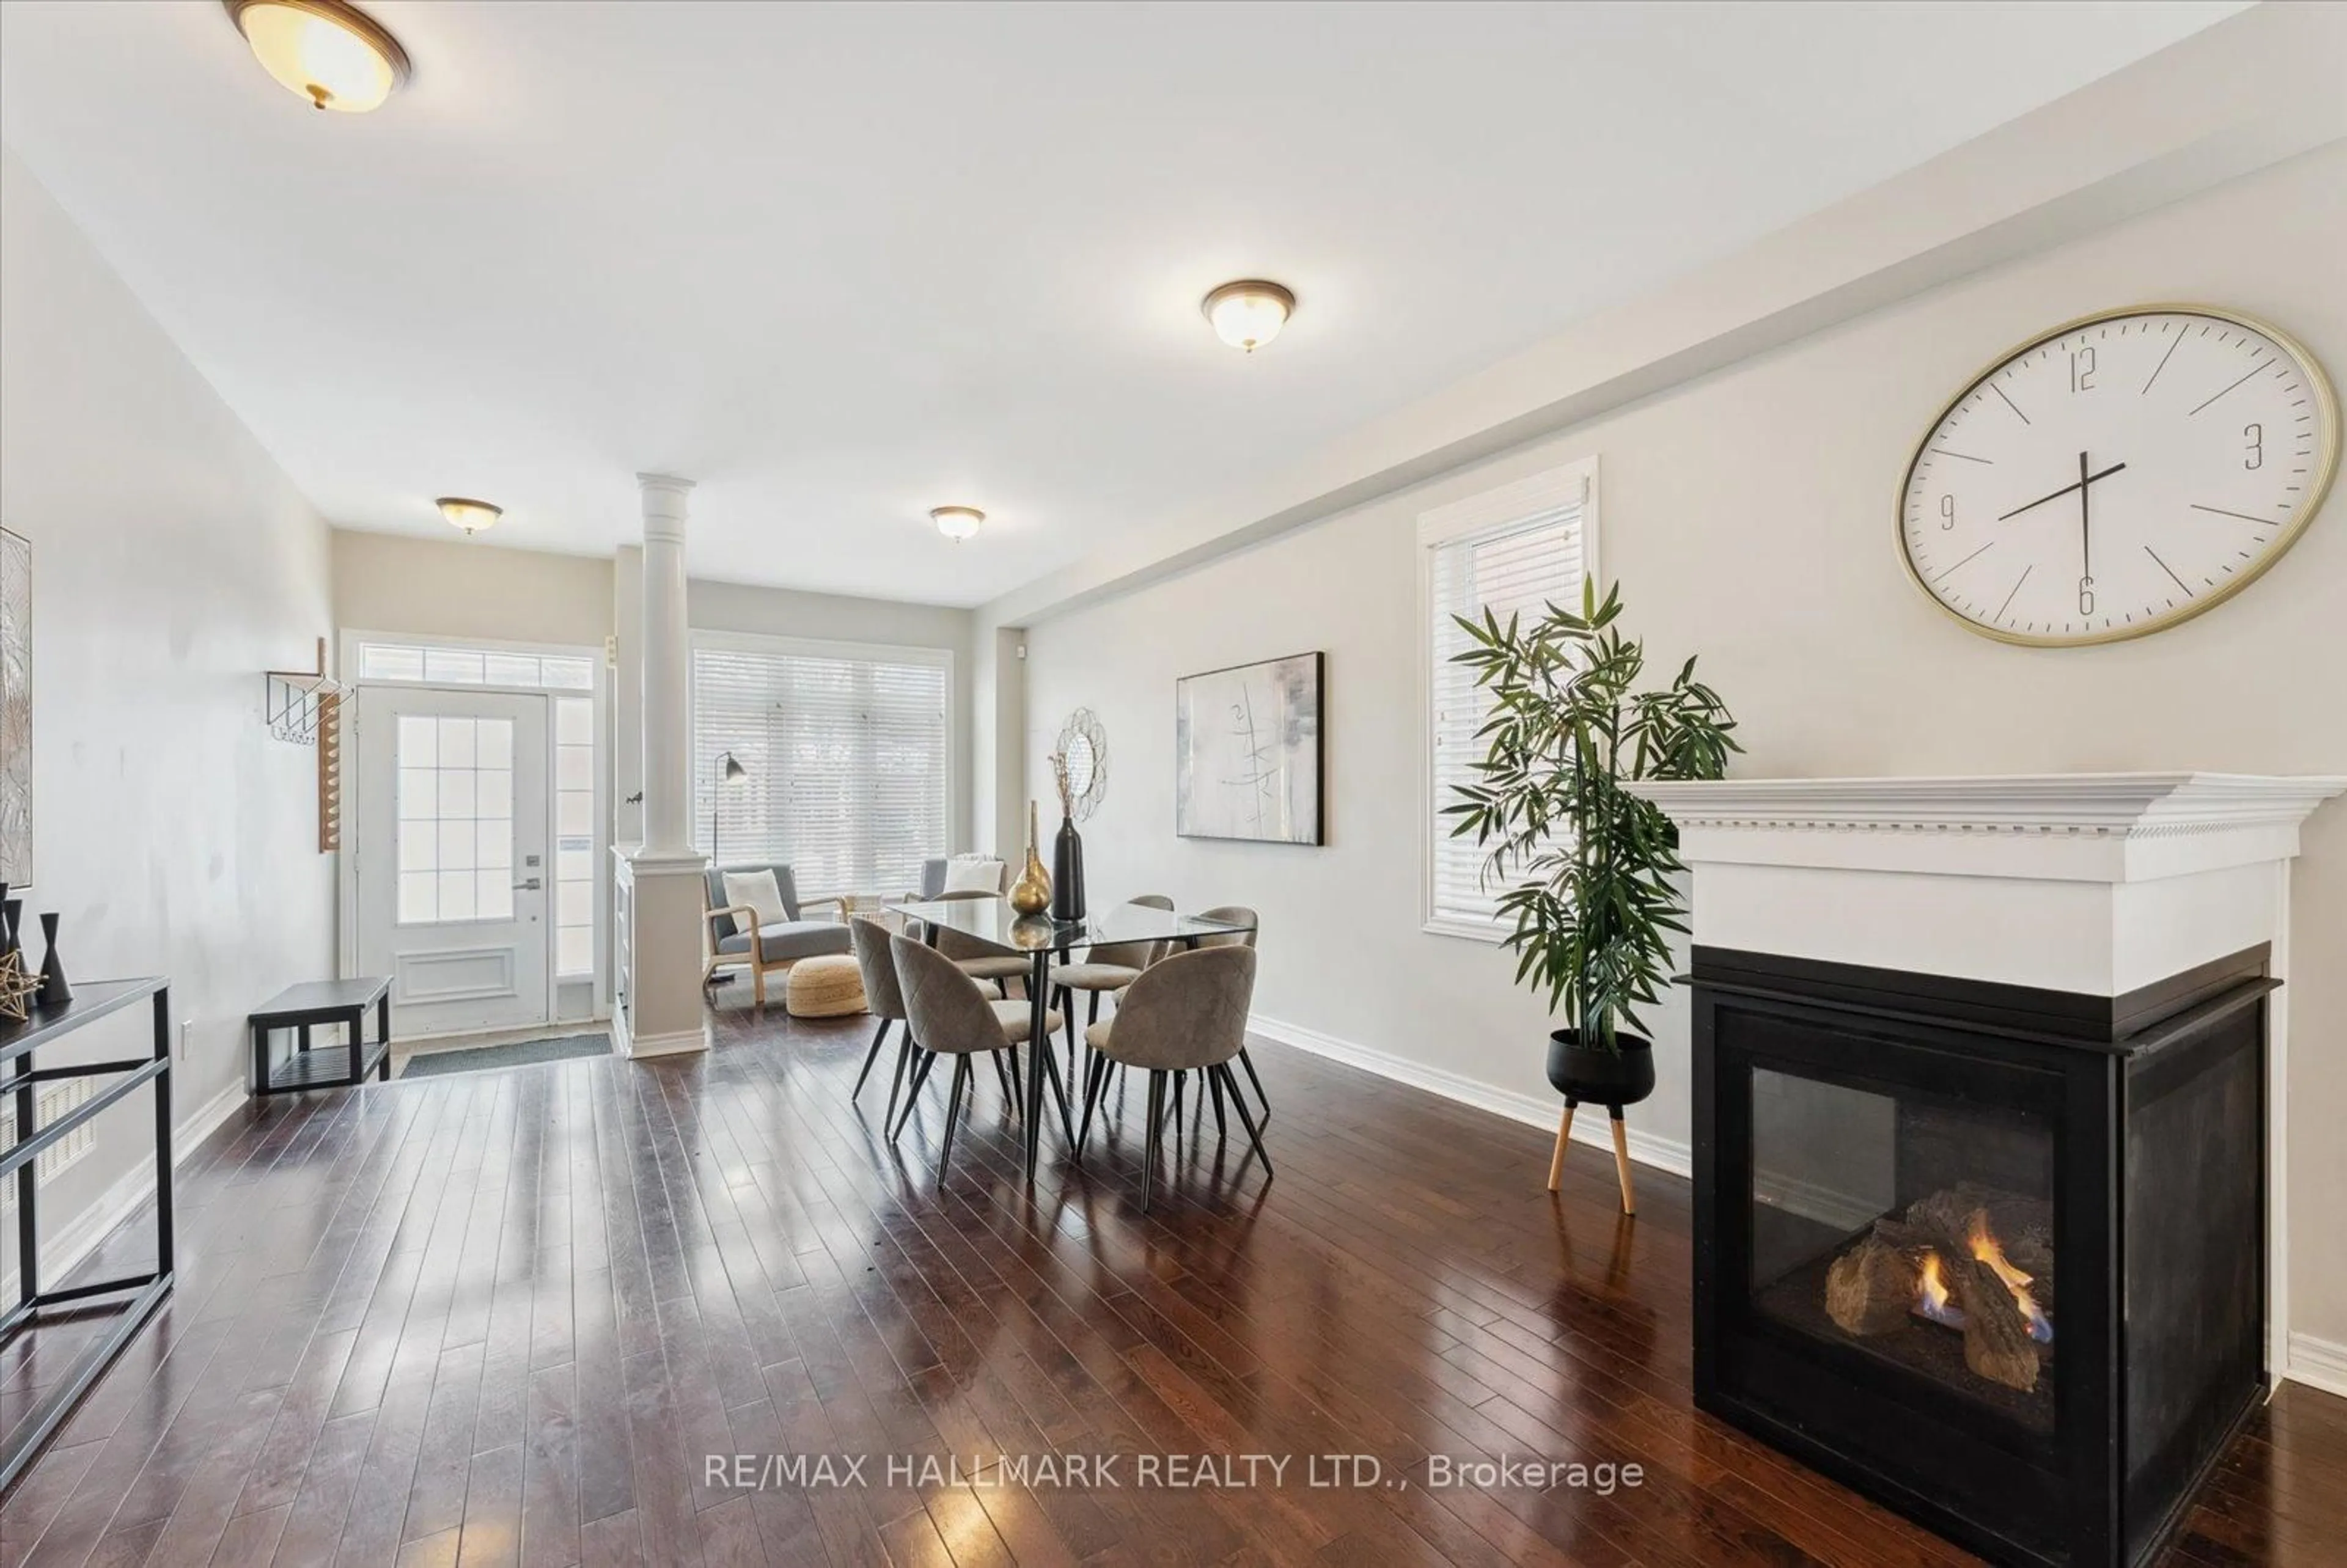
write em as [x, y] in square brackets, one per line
[2086, 827]
[2098, 884]
[2095, 883]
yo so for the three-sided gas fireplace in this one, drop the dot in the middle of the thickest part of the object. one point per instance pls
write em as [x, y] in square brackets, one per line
[1990, 1254]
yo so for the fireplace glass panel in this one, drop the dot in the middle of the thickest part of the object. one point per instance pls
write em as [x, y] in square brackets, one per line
[1914, 1230]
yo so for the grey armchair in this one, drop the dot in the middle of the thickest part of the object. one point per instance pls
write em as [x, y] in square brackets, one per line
[933, 876]
[778, 944]
[1187, 1013]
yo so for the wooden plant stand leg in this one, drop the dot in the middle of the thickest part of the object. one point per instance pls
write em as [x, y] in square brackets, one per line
[1563, 1136]
[1622, 1161]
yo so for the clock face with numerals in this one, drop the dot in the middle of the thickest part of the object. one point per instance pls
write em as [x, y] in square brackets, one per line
[2118, 474]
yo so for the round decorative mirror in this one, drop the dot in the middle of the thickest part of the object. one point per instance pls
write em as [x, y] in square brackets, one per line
[1083, 751]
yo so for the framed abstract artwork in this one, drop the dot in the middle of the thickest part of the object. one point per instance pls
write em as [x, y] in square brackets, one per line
[1247, 752]
[16, 709]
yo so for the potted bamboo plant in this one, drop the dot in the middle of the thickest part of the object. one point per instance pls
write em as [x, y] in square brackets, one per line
[1588, 865]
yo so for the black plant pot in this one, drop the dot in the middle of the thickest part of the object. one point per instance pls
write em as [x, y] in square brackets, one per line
[1591, 1075]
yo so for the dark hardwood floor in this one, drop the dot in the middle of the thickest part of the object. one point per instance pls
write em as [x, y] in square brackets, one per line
[499, 1318]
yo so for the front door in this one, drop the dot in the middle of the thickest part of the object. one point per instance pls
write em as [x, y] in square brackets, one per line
[452, 868]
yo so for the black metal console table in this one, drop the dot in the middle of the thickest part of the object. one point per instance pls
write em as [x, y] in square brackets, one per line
[92, 1000]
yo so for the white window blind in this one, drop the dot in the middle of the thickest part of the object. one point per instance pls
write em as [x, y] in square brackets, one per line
[846, 757]
[1510, 554]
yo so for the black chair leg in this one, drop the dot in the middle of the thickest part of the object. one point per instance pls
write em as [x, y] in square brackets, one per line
[1149, 1156]
[1255, 1139]
[913, 1091]
[1002, 1074]
[879, 1038]
[1095, 1081]
[1018, 1085]
[1180, 1079]
[1261, 1098]
[896, 1084]
[1050, 1066]
[953, 1112]
[1215, 1086]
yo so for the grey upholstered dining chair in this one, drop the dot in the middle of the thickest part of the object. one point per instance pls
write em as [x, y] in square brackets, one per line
[1232, 915]
[975, 959]
[1109, 968]
[882, 997]
[949, 1015]
[1187, 1013]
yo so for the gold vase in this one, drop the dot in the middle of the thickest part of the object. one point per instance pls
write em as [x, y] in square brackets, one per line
[1032, 894]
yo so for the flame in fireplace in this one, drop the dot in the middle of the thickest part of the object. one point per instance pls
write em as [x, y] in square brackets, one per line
[1982, 1244]
[1931, 1297]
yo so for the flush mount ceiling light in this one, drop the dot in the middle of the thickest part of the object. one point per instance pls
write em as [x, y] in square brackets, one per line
[470, 516]
[1248, 313]
[332, 53]
[956, 523]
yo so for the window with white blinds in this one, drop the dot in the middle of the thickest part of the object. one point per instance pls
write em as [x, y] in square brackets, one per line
[844, 753]
[1510, 552]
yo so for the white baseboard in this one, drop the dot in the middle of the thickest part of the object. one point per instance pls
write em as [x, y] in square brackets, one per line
[637, 1047]
[1533, 1111]
[2318, 1363]
[68, 1244]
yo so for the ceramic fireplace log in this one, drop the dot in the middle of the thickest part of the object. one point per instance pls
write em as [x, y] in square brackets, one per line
[2023, 1225]
[1870, 1288]
[1996, 1335]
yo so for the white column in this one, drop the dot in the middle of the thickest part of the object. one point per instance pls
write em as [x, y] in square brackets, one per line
[667, 779]
[659, 895]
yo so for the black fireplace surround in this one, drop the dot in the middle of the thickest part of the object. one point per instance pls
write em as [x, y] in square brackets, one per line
[1876, 1151]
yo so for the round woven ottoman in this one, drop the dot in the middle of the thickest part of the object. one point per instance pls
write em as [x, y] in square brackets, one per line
[827, 986]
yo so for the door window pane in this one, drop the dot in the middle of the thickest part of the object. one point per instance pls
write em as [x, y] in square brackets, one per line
[456, 819]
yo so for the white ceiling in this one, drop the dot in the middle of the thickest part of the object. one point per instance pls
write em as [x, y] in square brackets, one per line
[842, 265]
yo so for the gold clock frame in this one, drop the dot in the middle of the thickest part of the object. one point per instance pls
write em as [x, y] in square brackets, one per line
[2326, 414]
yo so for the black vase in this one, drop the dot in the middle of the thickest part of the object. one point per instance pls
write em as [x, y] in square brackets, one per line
[1591, 1075]
[55, 992]
[1067, 873]
[12, 915]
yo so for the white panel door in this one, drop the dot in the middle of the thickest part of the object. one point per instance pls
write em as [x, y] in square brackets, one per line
[453, 863]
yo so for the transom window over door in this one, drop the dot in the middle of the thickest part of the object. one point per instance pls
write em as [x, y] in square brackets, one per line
[845, 754]
[1512, 551]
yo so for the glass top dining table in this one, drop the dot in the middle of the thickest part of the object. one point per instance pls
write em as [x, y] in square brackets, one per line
[992, 921]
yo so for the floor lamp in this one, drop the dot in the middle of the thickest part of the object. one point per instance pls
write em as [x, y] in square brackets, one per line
[730, 771]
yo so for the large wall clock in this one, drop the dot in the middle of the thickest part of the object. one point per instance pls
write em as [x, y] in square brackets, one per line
[2118, 474]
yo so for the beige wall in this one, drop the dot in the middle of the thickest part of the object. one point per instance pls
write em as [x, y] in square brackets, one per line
[469, 589]
[1748, 518]
[172, 563]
